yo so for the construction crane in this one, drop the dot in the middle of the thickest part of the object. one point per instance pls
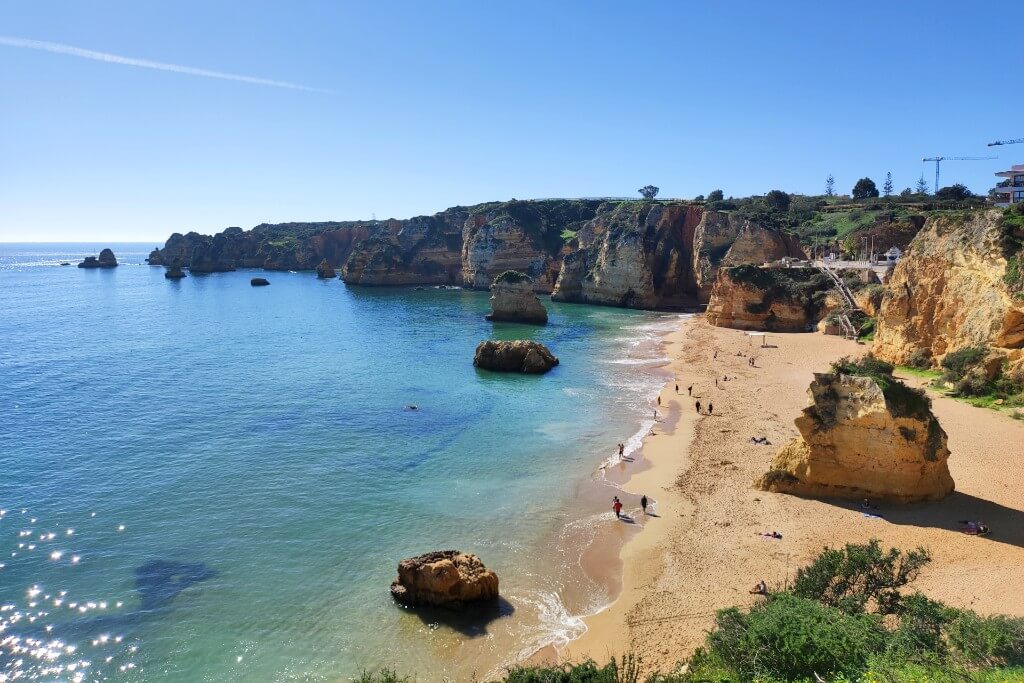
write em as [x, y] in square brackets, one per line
[1006, 142]
[937, 160]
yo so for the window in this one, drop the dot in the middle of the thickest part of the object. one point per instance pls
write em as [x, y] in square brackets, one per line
[1018, 196]
[1018, 180]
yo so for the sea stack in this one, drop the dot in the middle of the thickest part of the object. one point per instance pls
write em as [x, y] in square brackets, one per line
[325, 271]
[106, 260]
[864, 435]
[519, 355]
[445, 578]
[174, 271]
[513, 300]
[259, 282]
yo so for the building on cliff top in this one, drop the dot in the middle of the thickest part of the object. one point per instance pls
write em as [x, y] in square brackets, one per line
[1011, 190]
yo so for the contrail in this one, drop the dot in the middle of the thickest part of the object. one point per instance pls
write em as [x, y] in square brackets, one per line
[61, 49]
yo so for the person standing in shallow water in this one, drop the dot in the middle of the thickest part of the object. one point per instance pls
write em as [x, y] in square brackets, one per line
[617, 506]
[643, 503]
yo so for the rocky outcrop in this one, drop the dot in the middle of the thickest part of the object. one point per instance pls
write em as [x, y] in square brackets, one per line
[283, 246]
[325, 270]
[513, 300]
[661, 255]
[420, 251]
[770, 299]
[514, 356]
[106, 259]
[863, 437]
[955, 288]
[174, 271]
[259, 282]
[446, 578]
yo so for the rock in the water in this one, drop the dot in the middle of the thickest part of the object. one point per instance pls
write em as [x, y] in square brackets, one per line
[513, 300]
[325, 270]
[514, 356]
[174, 271]
[445, 578]
[106, 260]
[259, 282]
[864, 437]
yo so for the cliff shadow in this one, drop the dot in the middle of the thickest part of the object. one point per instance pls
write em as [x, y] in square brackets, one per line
[1007, 523]
[472, 621]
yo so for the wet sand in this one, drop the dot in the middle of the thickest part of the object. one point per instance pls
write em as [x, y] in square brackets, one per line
[702, 552]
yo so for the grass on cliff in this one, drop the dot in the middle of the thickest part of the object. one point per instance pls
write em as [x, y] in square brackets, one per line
[904, 401]
[846, 618]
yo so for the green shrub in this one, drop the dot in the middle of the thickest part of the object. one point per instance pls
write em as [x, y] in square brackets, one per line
[859, 576]
[920, 359]
[987, 641]
[625, 670]
[902, 400]
[512, 277]
[957, 363]
[974, 383]
[793, 638]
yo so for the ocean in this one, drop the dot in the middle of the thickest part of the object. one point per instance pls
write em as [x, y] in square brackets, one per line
[205, 481]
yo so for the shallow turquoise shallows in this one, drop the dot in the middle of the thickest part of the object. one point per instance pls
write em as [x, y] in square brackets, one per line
[206, 481]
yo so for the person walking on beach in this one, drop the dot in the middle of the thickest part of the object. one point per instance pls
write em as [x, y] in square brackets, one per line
[689, 390]
[677, 387]
[617, 506]
[659, 400]
[698, 407]
[643, 503]
[711, 408]
[622, 447]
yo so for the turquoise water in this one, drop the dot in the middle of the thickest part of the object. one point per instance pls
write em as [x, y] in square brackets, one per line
[250, 452]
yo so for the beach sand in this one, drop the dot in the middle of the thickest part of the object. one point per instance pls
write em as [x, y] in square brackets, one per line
[702, 552]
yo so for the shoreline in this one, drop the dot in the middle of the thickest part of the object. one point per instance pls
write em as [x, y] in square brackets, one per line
[700, 470]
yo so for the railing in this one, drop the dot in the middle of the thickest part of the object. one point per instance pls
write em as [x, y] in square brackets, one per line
[849, 332]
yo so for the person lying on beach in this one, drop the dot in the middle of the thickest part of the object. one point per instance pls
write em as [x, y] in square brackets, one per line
[760, 588]
[763, 440]
[975, 528]
[770, 534]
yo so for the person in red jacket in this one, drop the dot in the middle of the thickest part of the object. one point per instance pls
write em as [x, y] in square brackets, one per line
[617, 506]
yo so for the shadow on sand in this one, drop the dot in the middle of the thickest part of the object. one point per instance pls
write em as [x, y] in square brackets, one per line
[471, 621]
[1007, 523]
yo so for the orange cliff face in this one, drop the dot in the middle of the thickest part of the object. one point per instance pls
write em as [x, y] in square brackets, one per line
[949, 292]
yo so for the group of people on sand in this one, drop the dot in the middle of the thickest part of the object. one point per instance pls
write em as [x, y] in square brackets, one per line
[617, 505]
[711, 408]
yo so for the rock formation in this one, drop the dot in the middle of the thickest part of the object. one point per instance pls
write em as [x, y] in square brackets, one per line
[513, 300]
[446, 578]
[106, 260]
[661, 255]
[325, 270]
[958, 286]
[174, 271]
[259, 282]
[772, 299]
[514, 356]
[863, 437]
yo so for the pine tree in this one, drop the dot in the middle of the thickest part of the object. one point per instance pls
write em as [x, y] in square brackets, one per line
[830, 186]
[887, 185]
[922, 186]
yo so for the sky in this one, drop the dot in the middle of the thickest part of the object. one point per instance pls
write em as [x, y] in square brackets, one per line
[127, 120]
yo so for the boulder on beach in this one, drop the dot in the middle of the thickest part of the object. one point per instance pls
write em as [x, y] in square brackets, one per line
[444, 578]
[174, 271]
[513, 300]
[325, 270]
[259, 282]
[864, 435]
[106, 259]
[517, 355]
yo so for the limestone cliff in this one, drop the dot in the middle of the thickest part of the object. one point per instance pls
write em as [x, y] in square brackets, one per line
[660, 255]
[954, 289]
[863, 437]
[772, 299]
[284, 246]
[513, 300]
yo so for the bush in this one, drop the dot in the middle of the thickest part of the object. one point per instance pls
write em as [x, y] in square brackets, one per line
[902, 400]
[974, 383]
[793, 638]
[958, 363]
[920, 359]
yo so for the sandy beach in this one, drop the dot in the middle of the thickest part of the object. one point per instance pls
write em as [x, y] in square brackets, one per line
[702, 552]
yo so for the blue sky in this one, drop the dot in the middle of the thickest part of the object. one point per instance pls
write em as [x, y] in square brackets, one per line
[433, 104]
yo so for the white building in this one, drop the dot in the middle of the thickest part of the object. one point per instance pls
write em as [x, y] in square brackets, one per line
[1011, 190]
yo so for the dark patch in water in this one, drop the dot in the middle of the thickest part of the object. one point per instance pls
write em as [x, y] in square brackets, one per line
[472, 621]
[158, 582]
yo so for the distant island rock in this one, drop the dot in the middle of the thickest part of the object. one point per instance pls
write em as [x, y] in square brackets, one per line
[174, 271]
[325, 271]
[518, 355]
[445, 578]
[259, 282]
[864, 435]
[106, 259]
[513, 300]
